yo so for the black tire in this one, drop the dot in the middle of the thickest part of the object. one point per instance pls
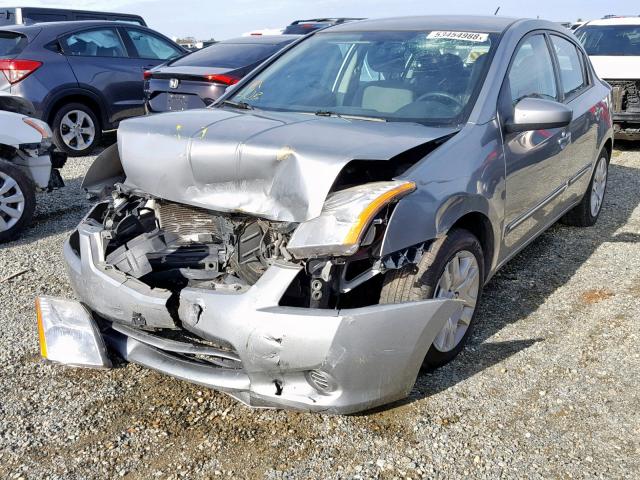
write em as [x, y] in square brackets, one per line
[414, 283]
[28, 189]
[59, 130]
[581, 215]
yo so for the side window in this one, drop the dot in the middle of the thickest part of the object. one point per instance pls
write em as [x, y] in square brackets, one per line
[150, 46]
[531, 73]
[103, 42]
[571, 69]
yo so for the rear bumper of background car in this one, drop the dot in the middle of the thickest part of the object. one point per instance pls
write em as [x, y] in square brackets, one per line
[261, 353]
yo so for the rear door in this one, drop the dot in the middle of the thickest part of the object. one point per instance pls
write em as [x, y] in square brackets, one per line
[536, 173]
[101, 63]
[575, 86]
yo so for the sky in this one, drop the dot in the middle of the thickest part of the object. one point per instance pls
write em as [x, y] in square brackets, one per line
[222, 19]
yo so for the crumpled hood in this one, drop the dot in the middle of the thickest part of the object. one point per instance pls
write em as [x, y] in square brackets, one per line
[279, 166]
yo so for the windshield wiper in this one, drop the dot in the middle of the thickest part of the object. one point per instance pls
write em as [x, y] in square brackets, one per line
[240, 105]
[328, 113]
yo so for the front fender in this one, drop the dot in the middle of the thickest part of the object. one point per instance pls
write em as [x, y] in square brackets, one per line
[104, 173]
[421, 216]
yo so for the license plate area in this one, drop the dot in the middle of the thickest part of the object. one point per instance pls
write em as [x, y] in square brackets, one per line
[177, 102]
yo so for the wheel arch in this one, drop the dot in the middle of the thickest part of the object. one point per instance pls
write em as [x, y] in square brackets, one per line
[77, 96]
[413, 222]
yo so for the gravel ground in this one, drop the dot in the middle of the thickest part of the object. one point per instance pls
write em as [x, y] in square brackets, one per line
[549, 386]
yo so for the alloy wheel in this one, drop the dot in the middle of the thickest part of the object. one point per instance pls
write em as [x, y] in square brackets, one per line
[77, 130]
[598, 186]
[12, 202]
[460, 280]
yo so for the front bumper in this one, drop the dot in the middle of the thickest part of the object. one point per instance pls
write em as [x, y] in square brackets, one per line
[340, 361]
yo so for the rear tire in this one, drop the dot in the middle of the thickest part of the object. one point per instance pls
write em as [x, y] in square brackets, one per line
[76, 130]
[17, 201]
[426, 282]
[586, 213]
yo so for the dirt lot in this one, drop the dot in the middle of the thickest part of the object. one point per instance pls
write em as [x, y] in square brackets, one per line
[549, 386]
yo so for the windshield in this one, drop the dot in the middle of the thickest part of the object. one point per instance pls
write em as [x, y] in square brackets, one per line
[610, 40]
[228, 55]
[427, 77]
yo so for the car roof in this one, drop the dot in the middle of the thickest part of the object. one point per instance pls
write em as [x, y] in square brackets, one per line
[467, 23]
[268, 39]
[616, 21]
[68, 25]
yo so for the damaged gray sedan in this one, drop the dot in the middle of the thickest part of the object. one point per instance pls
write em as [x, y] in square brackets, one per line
[326, 228]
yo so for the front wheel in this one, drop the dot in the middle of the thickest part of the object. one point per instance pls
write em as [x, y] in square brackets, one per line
[17, 200]
[453, 267]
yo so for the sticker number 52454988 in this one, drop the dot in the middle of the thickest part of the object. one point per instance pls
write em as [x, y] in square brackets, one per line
[468, 36]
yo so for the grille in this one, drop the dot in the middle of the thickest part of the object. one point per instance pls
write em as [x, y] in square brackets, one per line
[184, 220]
[626, 95]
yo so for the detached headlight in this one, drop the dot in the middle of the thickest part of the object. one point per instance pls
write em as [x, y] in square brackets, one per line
[345, 218]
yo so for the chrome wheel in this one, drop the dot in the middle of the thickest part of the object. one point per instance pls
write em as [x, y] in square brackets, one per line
[598, 186]
[12, 202]
[77, 130]
[460, 280]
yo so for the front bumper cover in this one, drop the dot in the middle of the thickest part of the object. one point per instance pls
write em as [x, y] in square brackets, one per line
[339, 361]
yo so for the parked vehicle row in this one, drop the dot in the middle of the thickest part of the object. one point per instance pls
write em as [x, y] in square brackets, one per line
[82, 77]
[327, 226]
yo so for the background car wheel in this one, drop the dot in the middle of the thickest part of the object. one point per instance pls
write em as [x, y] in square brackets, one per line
[586, 213]
[76, 130]
[453, 267]
[17, 200]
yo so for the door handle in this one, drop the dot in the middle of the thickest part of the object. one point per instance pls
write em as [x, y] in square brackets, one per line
[564, 140]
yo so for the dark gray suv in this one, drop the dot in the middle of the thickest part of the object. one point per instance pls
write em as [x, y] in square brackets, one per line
[82, 77]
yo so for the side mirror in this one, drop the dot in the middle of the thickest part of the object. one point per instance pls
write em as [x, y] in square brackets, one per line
[538, 114]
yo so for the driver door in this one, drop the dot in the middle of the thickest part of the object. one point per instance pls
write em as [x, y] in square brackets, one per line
[535, 171]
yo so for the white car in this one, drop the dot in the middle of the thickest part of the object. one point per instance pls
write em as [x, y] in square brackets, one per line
[614, 48]
[27, 164]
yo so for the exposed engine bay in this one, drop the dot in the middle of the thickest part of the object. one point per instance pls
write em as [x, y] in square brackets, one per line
[172, 246]
[626, 108]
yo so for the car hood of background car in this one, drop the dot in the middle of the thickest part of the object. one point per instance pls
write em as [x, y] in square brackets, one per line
[616, 68]
[279, 166]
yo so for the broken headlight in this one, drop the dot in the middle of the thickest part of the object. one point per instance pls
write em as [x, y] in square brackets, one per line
[345, 217]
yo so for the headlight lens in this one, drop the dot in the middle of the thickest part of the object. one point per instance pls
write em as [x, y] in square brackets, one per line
[344, 219]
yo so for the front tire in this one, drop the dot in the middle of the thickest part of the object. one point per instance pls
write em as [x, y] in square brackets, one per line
[76, 130]
[586, 213]
[452, 267]
[17, 201]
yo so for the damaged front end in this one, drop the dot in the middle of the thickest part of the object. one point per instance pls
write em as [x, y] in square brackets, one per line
[626, 109]
[276, 312]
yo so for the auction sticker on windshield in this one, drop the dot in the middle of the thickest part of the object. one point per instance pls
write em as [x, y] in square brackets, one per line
[469, 36]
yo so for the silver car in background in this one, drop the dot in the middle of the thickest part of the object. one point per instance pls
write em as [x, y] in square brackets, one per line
[326, 228]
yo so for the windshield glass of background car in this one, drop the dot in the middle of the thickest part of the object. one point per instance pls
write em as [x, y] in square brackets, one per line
[610, 40]
[228, 55]
[11, 43]
[427, 77]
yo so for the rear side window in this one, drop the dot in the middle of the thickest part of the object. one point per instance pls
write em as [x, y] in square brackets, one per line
[152, 47]
[531, 73]
[571, 68]
[11, 43]
[104, 42]
[228, 55]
